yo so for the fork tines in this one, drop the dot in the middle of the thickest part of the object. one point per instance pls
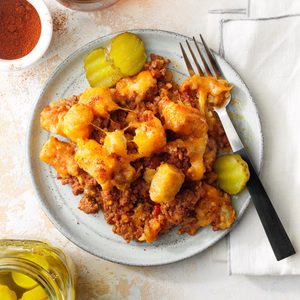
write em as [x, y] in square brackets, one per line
[212, 61]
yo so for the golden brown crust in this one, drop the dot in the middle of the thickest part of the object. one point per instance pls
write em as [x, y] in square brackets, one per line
[60, 155]
[52, 116]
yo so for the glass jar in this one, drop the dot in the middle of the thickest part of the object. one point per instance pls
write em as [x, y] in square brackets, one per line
[87, 5]
[28, 268]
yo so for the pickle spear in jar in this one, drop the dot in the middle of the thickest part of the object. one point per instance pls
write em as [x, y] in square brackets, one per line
[233, 173]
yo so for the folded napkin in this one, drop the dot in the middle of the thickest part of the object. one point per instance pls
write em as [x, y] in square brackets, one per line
[266, 54]
[273, 8]
[189, 17]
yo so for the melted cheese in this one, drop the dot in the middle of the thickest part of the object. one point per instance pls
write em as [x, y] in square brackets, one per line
[218, 88]
[183, 119]
[150, 135]
[52, 117]
[215, 208]
[124, 174]
[100, 100]
[95, 160]
[77, 122]
[60, 155]
[195, 147]
[115, 142]
[109, 163]
[108, 170]
[135, 88]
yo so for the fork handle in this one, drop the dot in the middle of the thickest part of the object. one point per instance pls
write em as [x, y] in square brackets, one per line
[278, 238]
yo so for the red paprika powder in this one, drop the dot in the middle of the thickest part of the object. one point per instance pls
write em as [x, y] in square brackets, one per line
[20, 28]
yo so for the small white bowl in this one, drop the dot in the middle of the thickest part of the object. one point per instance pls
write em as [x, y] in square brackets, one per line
[42, 44]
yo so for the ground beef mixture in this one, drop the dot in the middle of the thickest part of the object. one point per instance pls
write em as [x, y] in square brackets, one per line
[129, 209]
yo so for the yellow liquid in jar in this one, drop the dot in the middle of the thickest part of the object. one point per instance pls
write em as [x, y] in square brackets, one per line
[32, 270]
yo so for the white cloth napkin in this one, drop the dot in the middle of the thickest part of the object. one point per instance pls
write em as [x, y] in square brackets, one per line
[266, 54]
[272, 8]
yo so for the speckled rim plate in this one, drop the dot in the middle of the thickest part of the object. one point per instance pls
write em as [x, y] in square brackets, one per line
[90, 232]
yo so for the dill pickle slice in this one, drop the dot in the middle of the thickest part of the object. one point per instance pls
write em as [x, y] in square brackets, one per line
[6, 293]
[128, 53]
[37, 293]
[99, 70]
[233, 173]
[25, 281]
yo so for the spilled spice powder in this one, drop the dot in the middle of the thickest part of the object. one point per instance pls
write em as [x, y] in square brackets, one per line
[20, 28]
[60, 20]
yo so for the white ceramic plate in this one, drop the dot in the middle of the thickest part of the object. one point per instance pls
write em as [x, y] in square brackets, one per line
[90, 232]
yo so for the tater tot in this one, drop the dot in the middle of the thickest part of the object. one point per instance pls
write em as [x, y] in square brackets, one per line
[52, 116]
[136, 88]
[95, 160]
[166, 183]
[115, 142]
[100, 100]
[182, 119]
[60, 155]
[77, 122]
[150, 135]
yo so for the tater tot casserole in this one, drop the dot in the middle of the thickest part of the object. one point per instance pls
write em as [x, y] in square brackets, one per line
[143, 152]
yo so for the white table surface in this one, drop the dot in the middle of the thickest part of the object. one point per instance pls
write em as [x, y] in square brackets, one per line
[200, 277]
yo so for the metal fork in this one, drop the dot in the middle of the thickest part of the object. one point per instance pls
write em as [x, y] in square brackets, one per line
[278, 238]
